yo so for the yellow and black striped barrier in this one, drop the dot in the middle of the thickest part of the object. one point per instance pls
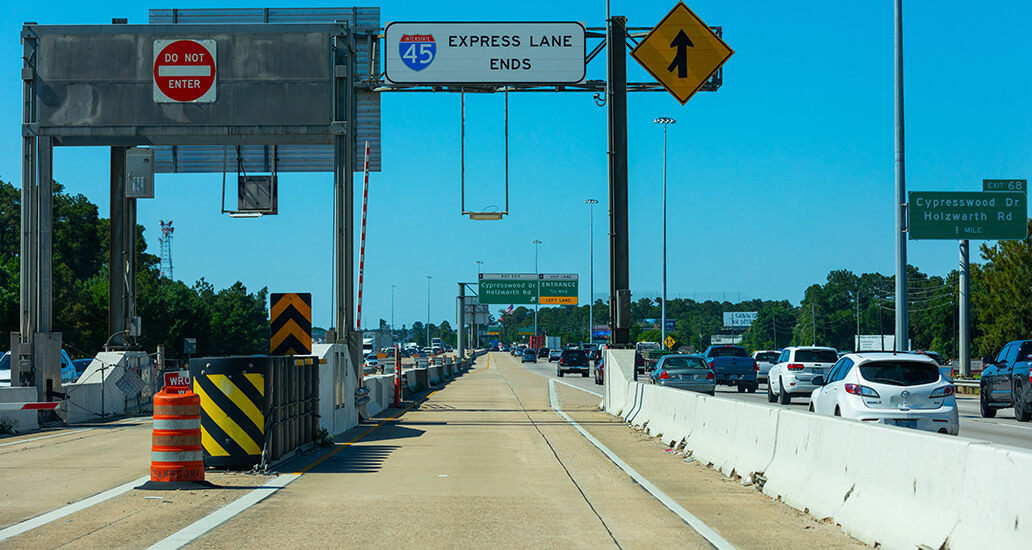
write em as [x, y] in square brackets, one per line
[256, 409]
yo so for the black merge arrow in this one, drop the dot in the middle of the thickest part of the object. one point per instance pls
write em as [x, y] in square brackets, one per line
[680, 62]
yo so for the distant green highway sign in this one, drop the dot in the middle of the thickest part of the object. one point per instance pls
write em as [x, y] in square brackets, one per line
[948, 215]
[508, 288]
[527, 288]
[1005, 185]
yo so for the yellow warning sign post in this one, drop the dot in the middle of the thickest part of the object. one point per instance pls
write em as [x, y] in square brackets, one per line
[291, 318]
[682, 52]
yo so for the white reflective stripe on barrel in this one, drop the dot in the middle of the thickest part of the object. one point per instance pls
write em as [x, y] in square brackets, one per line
[181, 424]
[180, 456]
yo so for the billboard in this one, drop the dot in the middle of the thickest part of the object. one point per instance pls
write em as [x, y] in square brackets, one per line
[739, 319]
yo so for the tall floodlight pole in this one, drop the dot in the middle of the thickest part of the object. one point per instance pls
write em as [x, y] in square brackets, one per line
[428, 278]
[664, 121]
[537, 275]
[479, 263]
[591, 271]
[392, 313]
[902, 320]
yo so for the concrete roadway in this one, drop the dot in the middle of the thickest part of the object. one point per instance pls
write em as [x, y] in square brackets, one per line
[483, 462]
[1002, 430]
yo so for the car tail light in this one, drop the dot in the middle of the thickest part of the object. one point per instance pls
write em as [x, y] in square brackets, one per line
[795, 366]
[755, 366]
[664, 376]
[711, 364]
[944, 391]
[709, 375]
[863, 391]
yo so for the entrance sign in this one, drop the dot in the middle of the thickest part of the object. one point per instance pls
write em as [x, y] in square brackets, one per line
[682, 52]
[976, 215]
[485, 53]
[558, 289]
[184, 71]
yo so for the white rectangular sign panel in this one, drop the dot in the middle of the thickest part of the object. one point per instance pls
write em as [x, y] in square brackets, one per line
[739, 319]
[485, 53]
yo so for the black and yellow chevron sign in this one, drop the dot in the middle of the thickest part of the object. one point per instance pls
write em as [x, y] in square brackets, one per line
[291, 317]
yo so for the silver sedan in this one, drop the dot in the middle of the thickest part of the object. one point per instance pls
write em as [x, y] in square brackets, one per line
[686, 372]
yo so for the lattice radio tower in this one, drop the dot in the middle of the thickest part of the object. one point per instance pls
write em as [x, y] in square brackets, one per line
[166, 248]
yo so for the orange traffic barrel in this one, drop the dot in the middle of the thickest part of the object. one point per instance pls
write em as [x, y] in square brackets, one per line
[176, 453]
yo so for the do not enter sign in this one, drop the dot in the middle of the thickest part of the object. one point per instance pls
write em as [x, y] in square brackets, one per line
[184, 71]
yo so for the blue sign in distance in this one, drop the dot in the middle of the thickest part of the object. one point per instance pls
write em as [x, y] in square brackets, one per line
[417, 50]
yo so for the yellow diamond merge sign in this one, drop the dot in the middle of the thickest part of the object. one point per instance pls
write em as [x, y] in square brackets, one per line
[682, 52]
[669, 342]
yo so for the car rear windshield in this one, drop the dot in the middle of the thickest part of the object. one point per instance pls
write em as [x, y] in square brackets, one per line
[730, 351]
[816, 356]
[574, 355]
[900, 373]
[684, 363]
[768, 357]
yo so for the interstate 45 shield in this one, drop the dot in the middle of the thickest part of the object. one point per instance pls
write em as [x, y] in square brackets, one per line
[417, 50]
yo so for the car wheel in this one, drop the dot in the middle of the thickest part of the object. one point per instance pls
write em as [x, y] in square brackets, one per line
[783, 397]
[811, 407]
[1021, 413]
[713, 393]
[983, 403]
[771, 398]
[837, 411]
[752, 388]
[559, 373]
[741, 388]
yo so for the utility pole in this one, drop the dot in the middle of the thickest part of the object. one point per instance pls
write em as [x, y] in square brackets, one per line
[902, 317]
[591, 270]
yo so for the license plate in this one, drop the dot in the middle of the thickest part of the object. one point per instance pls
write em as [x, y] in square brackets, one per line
[906, 423]
[818, 371]
[733, 377]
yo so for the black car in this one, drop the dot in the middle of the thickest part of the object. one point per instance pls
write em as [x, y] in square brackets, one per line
[543, 352]
[573, 360]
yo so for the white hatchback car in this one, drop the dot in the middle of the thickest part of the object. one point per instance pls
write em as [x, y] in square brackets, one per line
[793, 370]
[898, 389]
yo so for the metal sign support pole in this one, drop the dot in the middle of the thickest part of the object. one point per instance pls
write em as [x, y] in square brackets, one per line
[116, 250]
[965, 303]
[902, 318]
[619, 245]
[461, 321]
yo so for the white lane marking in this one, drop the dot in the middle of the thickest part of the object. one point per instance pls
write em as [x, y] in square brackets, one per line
[48, 517]
[578, 388]
[709, 534]
[191, 532]
[44, 437]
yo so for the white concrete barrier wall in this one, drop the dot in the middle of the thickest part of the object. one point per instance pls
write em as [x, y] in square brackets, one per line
[337, 414]
[24, 421]
[894, 487]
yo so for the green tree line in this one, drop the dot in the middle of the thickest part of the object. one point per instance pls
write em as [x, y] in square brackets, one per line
[834, 312]
[224, 322]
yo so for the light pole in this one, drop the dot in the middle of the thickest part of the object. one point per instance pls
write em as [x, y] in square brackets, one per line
[591, 271]
[479, 263]
[538, 281]
[664, 121]
[392, 313]
[428, 309]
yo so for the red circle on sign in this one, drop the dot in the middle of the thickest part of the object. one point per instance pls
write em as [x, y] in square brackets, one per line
[184, 70]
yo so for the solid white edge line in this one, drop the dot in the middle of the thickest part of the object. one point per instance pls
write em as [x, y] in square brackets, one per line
[48, 517]
[577, 387]
[193, 531]
[44, 437]
[708, 533]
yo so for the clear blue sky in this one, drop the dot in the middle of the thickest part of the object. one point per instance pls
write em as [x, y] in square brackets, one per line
[782, 175]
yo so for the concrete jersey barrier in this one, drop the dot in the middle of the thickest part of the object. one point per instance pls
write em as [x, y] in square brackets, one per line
[884, 485]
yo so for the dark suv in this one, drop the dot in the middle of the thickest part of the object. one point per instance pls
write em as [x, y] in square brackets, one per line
[573, 360]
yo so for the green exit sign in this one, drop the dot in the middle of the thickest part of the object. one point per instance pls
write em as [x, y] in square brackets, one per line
[947, 215]
[1019, 186]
